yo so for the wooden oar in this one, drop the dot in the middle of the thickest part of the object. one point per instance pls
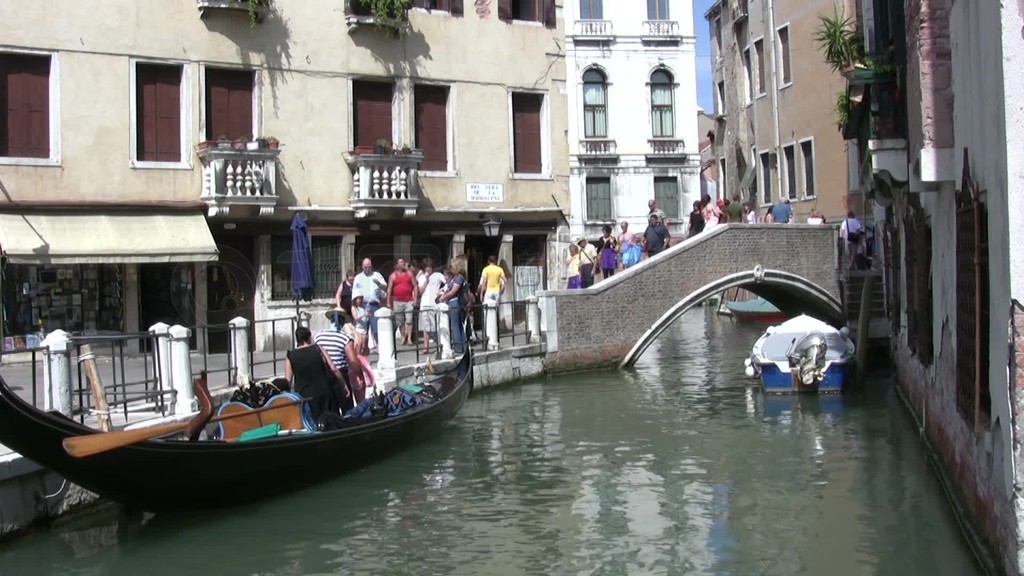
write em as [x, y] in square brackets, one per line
[82, 446]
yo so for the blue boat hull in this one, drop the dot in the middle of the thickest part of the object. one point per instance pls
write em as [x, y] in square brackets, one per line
[775, 381]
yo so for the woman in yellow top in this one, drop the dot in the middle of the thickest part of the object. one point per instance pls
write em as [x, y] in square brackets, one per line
[573, 261]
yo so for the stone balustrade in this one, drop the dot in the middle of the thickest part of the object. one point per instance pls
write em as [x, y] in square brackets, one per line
[593, 147]
[593, 29]
[239, 177]
[661, 29]
[384, 181]
[667, 147]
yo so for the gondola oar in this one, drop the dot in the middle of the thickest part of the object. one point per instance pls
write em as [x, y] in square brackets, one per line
[91, 444]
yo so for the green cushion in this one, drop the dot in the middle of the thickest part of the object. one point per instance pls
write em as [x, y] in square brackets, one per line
[414, 388]
[268, 431]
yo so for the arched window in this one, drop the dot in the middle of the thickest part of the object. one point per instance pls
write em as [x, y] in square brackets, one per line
[595, 104]
[662, 122]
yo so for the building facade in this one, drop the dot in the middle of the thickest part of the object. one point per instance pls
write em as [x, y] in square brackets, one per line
[632, 112]
[933, 107]
[777, 136]
[152, 174]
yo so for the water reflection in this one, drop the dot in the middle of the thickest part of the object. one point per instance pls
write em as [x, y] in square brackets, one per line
[678, 467]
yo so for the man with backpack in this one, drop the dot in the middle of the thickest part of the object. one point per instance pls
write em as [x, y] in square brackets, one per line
[852, 232]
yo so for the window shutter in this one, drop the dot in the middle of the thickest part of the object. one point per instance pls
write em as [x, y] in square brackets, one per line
[26, 106]
[526, 110]
[168, 114]
[372, 111]
[548, 12]
[228, 103]
[455, 7]
[145, 95]
[432, 126]
[505, 10]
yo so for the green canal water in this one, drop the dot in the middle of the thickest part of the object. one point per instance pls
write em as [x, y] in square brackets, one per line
[677, 467]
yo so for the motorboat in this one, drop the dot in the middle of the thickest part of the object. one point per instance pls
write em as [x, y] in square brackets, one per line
[755, 310]
[802, 354]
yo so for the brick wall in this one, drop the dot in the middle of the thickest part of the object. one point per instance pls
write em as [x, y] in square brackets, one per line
[598, 326]
[929, 74]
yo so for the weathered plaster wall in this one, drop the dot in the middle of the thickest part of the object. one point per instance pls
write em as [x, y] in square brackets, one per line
[929, 74]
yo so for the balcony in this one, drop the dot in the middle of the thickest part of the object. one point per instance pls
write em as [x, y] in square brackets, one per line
[233, 177]
[666, 148]
[739, 10]
[257, 11]
[359, 14]
[593, 30]
[597, 148]
[887, 142]
[661, 31]
[384, 182]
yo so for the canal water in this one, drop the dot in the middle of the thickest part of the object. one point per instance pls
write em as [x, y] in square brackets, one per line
[676, 467]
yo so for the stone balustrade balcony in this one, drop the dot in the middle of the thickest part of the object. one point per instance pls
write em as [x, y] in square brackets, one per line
[259, 8]
[385, 182]
[593, 30]
[661, 31]
[596, 147]
[739, 9]
[665, 147]
[239, 177]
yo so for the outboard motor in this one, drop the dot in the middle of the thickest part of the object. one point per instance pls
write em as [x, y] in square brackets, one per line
[807, 359]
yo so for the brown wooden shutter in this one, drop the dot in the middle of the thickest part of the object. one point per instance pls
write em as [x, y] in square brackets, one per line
[228, 103]
[547, 12]
[158, 103]
[432, 126]
[505, 10]
[455, 7]
[371, 112]
[25, 105]
[526, 110]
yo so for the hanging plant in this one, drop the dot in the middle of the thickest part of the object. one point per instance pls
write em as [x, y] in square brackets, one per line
[254, 12]
[838, 41]
[387, 14]
[842, 110]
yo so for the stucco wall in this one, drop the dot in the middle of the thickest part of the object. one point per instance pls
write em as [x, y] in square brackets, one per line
[306, 57]
[587, 335]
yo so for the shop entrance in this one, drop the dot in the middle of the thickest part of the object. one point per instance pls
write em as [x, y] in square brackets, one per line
[167, 294]
[478, 249]
[230, 289]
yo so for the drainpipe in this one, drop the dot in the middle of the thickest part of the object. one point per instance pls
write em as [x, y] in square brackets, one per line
[775, 103]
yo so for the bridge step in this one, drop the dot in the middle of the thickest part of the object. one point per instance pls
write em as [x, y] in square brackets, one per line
[854, 291]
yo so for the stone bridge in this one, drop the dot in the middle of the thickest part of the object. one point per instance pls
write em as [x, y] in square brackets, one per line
[794, 266]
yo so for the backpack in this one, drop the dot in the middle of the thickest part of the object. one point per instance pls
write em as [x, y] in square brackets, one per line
[853, 237]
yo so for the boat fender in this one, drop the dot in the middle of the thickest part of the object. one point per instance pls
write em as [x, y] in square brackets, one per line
[749, 371]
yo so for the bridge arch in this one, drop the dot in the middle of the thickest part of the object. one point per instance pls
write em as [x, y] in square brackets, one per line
[791, 293]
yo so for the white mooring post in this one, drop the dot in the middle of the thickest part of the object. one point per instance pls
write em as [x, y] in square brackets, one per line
[57, 372]
[386, 344]
[444, 329]
[162, 361]
[533, 319]
[181, 370]
[491, 323]
[240, 351]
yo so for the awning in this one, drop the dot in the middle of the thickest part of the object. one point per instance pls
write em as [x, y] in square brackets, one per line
[105, 238]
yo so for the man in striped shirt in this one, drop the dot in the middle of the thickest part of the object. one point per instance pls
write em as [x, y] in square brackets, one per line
[341, 348]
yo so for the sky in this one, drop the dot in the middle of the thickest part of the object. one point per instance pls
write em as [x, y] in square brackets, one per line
[700, 25]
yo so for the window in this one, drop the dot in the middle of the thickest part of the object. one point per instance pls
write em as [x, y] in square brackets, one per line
[784, 55]
[789, 152]
[759, 49]
[229, 103]
[453, 6]
[595, 104]
[371, 112]
[591, 10]
[599, 199]
[752, 170]
[718, 38]
[766, 178]
[666, 195]
[528, 10]
[526, 137]
[431, 104]
[326, 264]
[748, 73]
[721, 178]
[807, 153]
[657, 9]
[158, 118]
[662, 123]
[720, 97]
[24, 106]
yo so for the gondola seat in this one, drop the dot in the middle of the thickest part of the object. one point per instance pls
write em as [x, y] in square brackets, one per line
[294, 415]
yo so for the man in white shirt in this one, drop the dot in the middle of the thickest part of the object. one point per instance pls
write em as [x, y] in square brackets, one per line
[371, 286]
[852, 231]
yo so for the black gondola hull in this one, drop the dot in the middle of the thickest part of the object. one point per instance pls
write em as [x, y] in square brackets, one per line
[172, 475]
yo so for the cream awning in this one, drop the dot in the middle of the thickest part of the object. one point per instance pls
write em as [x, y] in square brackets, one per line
[105, 238]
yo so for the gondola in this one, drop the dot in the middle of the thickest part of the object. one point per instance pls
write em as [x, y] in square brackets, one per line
[175, 475]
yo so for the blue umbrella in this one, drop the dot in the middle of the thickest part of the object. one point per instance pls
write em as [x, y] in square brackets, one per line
[302, 268]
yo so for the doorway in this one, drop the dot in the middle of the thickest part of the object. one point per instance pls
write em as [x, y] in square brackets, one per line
[167, 294]
[230, 290]
[478, 249]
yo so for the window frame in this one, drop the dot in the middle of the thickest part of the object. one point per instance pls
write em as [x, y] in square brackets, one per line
[748, 76]
[447, 10]
[720, 97]
[285, 240]
[785, 62]
[184, 115]
[762, 77]
[764, 179]
[53, 95]
[587, 108]
[672, 106]
[586, 199]
[791, 180]
[450, 124]
[657, 16]
[722, 180]
[397, 116]
[257, 98]
[716, 44]
[591, 3]
[538, 13]
[803, 168]
[545, 135]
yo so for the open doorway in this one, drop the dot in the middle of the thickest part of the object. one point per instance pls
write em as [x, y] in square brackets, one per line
[478, 249]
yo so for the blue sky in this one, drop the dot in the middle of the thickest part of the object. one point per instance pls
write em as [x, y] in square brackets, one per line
[700, 25]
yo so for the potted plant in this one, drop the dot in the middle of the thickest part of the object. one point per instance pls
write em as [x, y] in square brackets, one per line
[272, 143]
[838, 42]
[388, 15]
[382, 147]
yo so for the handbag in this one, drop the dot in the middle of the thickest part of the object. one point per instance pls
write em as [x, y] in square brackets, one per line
[853, 237]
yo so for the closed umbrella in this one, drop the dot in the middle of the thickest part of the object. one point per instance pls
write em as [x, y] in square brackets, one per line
[302, 262]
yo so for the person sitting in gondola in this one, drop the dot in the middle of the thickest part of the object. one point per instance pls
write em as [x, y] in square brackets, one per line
[312, 374]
